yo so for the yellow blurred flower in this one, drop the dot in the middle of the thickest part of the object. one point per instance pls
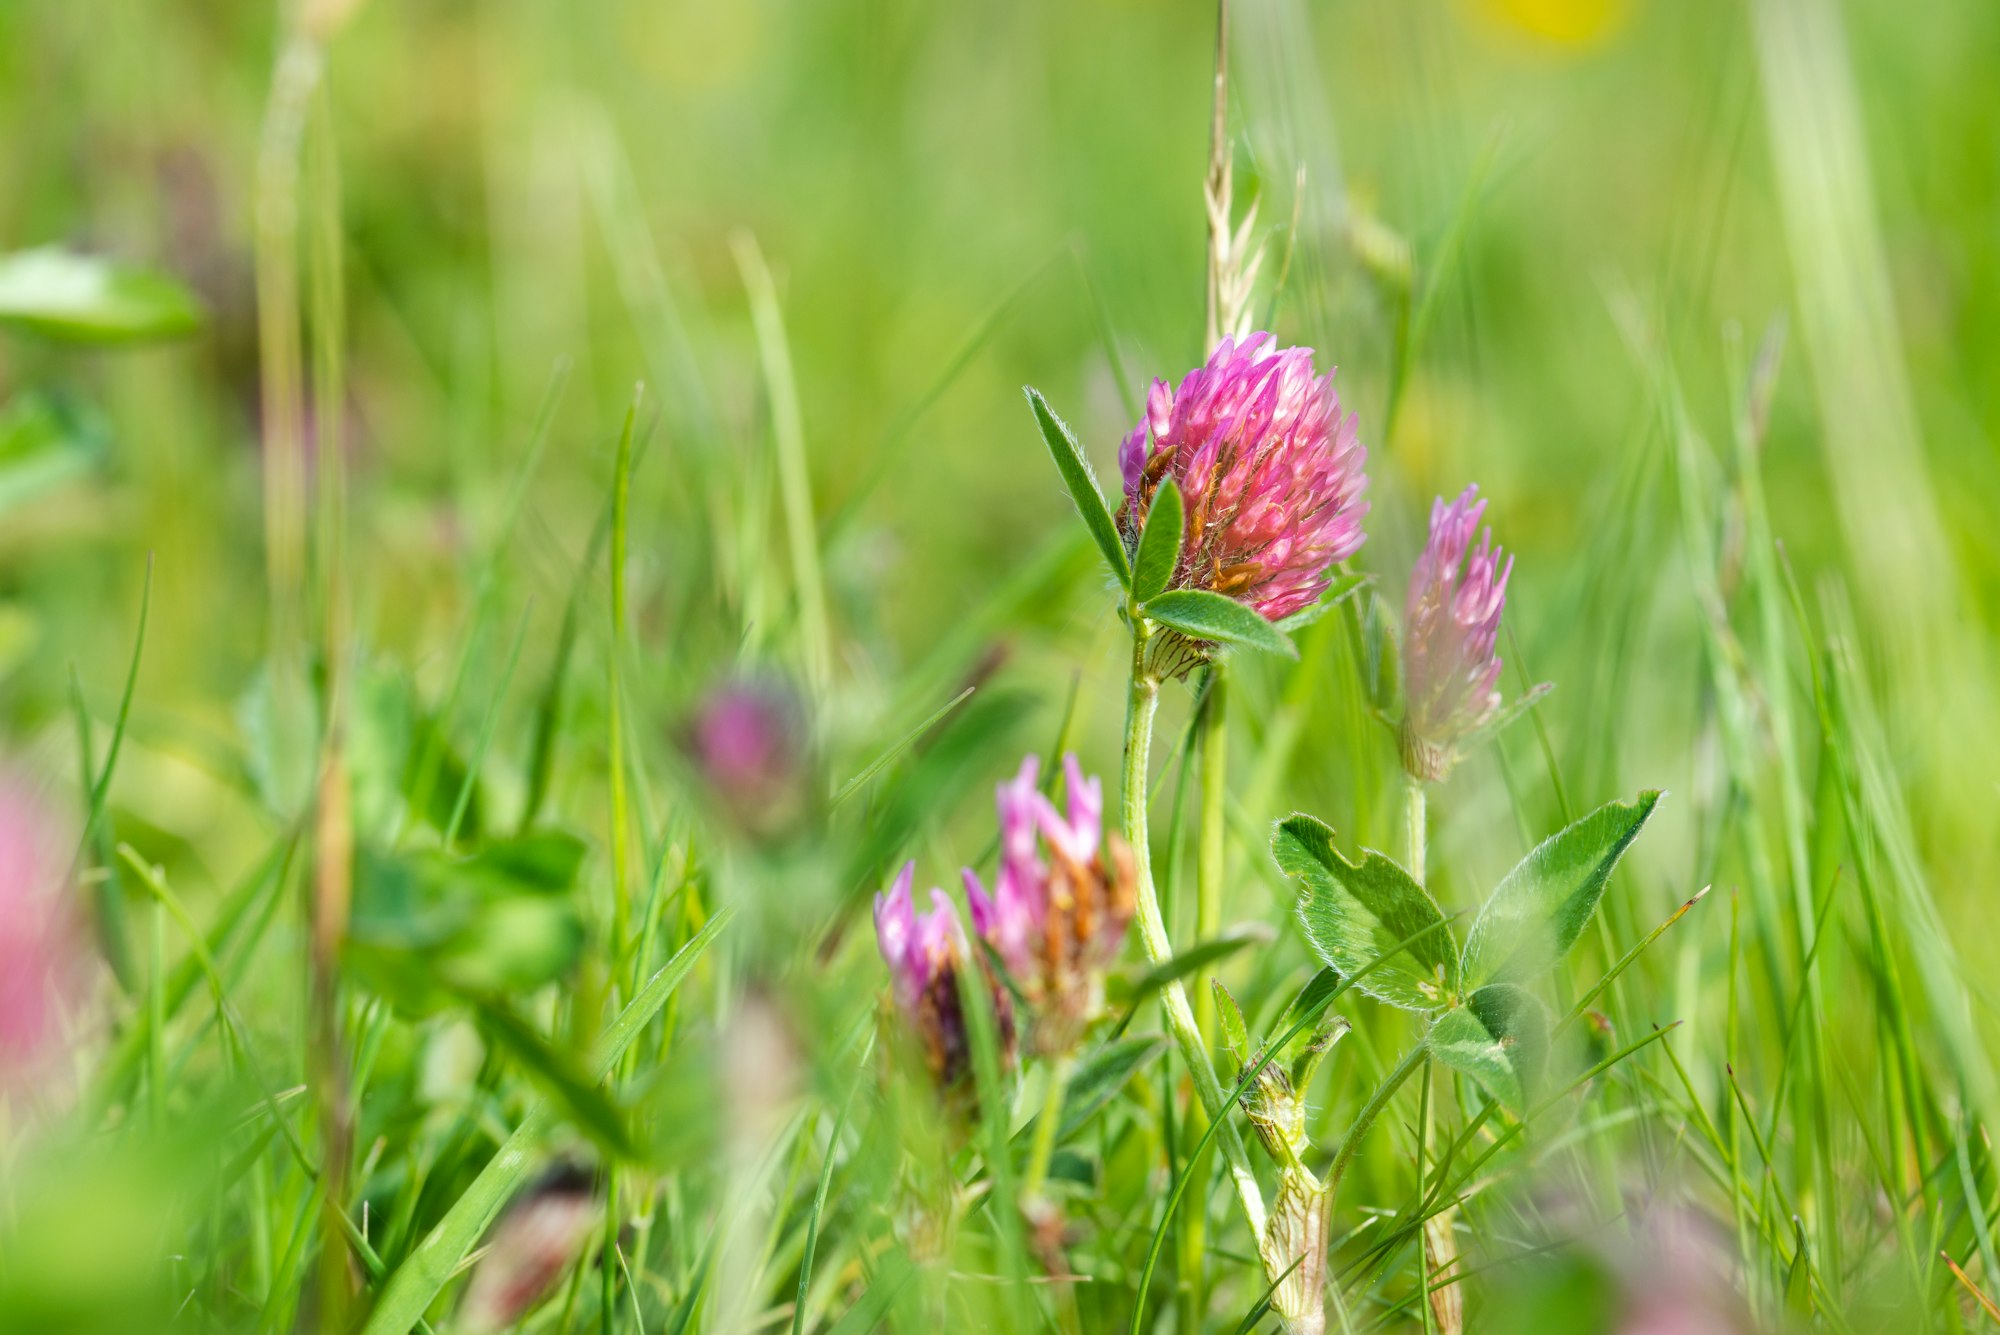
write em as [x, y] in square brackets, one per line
[1568, 22]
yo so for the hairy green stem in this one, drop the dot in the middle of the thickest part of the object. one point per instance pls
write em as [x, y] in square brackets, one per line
[1143, 703]
[1413, 822]
[1213, 742]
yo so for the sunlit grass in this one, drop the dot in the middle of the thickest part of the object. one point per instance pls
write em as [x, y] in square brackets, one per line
[425, 932]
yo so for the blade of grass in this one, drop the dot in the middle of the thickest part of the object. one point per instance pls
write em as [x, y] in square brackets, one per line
[432, 1263]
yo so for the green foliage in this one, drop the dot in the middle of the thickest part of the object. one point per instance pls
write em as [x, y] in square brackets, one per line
[1762, 581]
[1102, 1077]
[1540, 908]
[45, 441]
[1159, 544]
[1354, 914]
[427, 926]
[1500, 1037]
[1217, 619]
[1077, 476]
[59, 294]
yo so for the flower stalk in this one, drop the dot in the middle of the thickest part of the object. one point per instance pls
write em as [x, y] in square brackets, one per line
[1142, 705]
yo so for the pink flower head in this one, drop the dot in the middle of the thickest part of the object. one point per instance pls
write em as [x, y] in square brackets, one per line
[924, 952]
[918, 947]
[1269, 470]
[1055, 922]
[747, 742]
[1451, 624]
[40, 945]
[1012, 915]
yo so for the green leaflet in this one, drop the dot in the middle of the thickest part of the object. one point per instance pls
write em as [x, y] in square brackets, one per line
[1540, 907]
[1160, 543]
[1355, 914]
[60, 294]
[1201, 615]
[1082, 484]
[1499, 1037]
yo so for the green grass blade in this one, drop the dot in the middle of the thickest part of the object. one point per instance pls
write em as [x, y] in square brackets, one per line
[431, 1265]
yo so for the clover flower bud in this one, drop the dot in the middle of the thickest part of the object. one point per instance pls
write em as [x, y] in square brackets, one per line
[1451, 625]
[1269, 470]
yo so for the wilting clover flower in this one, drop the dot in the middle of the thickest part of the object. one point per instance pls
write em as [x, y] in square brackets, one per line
[1269, 470]
[747, 741]
[1055, 922]
[533, 1246]
[925, 953]
[40, 945]
[1451, 623]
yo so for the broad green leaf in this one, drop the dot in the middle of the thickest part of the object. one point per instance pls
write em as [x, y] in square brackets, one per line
[60, 294]
[426, 926]
[1160, 543]
[1202, 615]
[541, 862]
[1235, 1034]
[1356, 914]
[1539, 909]
[1098, 1080]
[1499, 1037]
[1082, 484]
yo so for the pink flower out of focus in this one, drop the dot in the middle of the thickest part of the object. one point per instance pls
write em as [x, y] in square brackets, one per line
[39, 955]
[1269, 470]
[747, 741]
[925, 952]
[1055, 923]
[1451, 624]
[1055, 919]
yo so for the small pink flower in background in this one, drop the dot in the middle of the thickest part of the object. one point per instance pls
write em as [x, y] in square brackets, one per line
[1451, 625]
[925, 952]
[1269, 470]
[532, 1247]
[1055, 924]
[40, 945]
[747, 740]
[1055, 919]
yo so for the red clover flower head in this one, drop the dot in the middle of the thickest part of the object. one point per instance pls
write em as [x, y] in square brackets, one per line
[1451, 624]
[925, 953]
[1269, 469]
[1057, 921]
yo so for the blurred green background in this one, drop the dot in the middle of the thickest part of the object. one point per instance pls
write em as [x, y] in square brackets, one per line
[523, 183]
[1543, 240]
